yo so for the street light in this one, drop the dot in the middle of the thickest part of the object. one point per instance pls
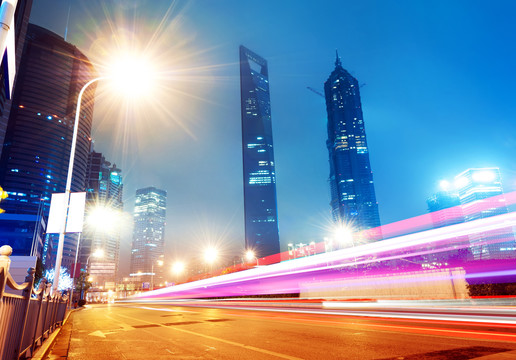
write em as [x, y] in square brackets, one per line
[344, 235]
[97, 253]
[210, 256]
[104, 218]
[69, 180]
[119, 77]
[178, 267]
[160, 263]
[250, 256]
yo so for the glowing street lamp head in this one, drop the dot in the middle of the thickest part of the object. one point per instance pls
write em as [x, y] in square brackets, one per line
[178, 267]
[132, 75]
[104, 219]
[210, 255]
[343, 235]
[98, 253]
[249, 255]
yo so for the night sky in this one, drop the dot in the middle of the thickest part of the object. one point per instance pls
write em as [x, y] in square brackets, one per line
[438, 97]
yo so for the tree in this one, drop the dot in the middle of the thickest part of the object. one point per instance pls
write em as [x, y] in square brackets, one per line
[82, 284]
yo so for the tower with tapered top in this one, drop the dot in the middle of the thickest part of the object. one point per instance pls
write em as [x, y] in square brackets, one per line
[353, 199]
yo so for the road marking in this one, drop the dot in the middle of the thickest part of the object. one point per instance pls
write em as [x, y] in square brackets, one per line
[229, 342]
[161, 309]
[101, 334]
[167, 350]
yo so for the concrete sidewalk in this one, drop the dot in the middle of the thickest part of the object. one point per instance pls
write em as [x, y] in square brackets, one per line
[58, 344]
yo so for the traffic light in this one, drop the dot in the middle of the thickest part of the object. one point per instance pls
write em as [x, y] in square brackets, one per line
[3, 195]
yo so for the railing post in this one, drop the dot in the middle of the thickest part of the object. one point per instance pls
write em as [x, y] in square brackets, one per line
[41, 294]
[46, 297]
[5, 263]
[27, 292]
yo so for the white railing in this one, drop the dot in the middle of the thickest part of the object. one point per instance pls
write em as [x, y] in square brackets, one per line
[26, 320]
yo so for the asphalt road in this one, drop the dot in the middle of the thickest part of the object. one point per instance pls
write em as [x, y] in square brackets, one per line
[158, 331]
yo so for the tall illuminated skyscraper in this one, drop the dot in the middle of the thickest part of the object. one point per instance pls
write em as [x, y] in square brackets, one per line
[104, 202]
[21, 21]
[353, 199]
[149, 233]
[260, 203]
[36, 150]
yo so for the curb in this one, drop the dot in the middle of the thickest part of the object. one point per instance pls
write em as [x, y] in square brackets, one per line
[46, 346]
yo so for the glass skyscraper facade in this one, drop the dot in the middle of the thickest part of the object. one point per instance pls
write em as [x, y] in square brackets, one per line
[21, 20]
[353, 199]
[260, 203]
[35, 154]
[149, 234]
[104, 192]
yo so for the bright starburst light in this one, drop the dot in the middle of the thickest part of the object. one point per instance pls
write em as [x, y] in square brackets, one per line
[159, 77]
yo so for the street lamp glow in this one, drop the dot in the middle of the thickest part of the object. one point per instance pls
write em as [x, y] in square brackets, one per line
[139, 82]
[249, 255]
[104, 218]
[210, 255]
[127, 74]
[343, 235]
[98, 253]
[178, 267]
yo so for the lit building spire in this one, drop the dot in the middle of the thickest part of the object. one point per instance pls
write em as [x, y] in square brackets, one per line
[338, 63]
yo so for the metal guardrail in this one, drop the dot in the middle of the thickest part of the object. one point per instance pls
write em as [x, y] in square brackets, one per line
[26, 320]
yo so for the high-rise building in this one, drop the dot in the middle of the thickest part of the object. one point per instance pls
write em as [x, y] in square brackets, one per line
[481, 195]
[21, 20]
[260, 203]
[353, 199]
[104, 202]
[35, 155]
[149, 234]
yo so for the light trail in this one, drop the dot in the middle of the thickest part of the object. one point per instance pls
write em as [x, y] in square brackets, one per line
[323, 269]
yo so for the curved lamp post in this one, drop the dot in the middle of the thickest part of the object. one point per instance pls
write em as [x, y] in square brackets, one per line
[60, 245]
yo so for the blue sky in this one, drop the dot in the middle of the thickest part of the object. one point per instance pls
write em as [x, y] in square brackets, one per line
[438, 98]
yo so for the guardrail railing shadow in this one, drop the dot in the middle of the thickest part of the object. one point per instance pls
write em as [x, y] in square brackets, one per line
[26, 319]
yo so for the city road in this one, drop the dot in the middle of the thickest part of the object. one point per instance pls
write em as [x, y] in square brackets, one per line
[161, 331]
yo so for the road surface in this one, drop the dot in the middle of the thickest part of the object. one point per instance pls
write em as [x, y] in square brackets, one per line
[164, 331]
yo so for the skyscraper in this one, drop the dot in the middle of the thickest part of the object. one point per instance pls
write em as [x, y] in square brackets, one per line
[34, 159]
[149, 234]
[103, 199]
[21, 20]
[481, 195]
[260, 204]
[353, 199]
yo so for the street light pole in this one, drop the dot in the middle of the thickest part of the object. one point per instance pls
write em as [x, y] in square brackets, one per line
[160, 263]
[60, 245]
[152, 276]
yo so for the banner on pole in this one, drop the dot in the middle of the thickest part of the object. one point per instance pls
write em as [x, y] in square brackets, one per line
[62, 211]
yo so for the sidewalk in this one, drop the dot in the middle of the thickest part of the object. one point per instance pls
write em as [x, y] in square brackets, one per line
[57, 347]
